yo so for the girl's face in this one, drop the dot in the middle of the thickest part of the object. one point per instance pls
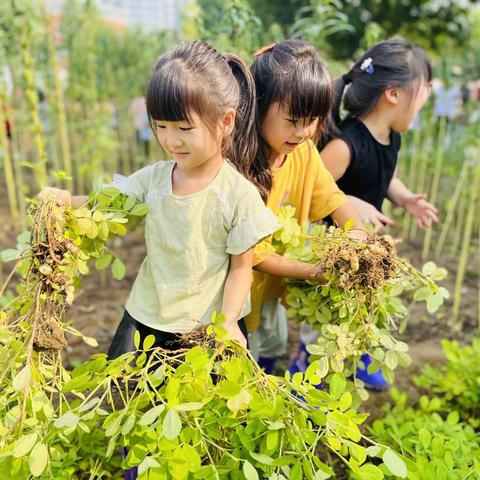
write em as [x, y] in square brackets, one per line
[408, 106]
[282, 133]
[191, 143]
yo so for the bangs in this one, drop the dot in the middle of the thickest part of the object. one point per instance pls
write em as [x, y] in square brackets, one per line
[172, 95]
[306, 92]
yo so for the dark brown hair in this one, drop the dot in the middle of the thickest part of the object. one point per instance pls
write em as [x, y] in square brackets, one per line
[194, 77]
[394, 62]
[290, 72]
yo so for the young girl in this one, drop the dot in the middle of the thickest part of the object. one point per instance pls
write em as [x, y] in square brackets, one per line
[387, 87]
[294, 95]
[204, 217]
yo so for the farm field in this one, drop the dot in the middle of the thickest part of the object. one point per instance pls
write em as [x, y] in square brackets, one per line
[73, 114]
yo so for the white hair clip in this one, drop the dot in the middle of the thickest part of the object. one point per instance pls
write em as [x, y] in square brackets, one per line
[367, 66]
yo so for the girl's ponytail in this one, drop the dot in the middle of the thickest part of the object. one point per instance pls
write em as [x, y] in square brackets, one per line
[331, 130]
[245, 135]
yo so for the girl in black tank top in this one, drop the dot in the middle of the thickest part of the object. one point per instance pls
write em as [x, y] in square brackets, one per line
[386, 88]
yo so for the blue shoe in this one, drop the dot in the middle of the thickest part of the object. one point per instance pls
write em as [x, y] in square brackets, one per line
[268, 364]
[300, 362]
[131, 473]
[373, 381]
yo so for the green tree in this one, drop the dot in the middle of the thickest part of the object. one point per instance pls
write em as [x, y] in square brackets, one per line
[429, 24]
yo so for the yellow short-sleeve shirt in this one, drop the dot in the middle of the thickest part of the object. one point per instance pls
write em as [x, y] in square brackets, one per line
[303, 182]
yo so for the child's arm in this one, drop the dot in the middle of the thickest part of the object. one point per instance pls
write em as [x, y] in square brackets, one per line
[64, 197]
[336, 157]
[284, 267]
[368, 213]
[237, 287]
[414, 203]
[347, 212]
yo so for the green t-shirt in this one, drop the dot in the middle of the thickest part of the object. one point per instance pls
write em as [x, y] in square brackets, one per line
[189, 241]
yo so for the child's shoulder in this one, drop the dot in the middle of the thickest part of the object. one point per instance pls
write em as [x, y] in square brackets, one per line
[161, 166]
[238, 184]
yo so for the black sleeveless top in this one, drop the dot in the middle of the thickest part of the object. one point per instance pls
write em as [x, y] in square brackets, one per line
[372, 164]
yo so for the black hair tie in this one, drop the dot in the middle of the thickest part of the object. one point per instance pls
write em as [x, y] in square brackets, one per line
[346, 79]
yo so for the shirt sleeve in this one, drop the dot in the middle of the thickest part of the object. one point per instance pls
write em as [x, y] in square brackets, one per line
[263, 250]
[326, 196]
[252, 222]
[136, 184]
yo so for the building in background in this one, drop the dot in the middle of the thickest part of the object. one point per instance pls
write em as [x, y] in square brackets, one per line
[147, 14]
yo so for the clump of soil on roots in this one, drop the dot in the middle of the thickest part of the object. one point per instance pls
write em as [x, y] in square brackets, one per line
[363, 265]
[49, 335]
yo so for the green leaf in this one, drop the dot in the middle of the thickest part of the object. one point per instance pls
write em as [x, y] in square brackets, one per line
[139, 210]
[394, 463]
[261, 458]
[172, 425]
[128, 425]
[130, 202]
[189, 407]
[337, 385]
[453, 418]
[239, 401]
[69, 419]
[22, 378]
[24, 444]
[296, 472]
[103, 261]
[249, 471]
[151, 415]
[136, 339]
[345, 401]
[425, 437]
[118, 269]
[428, 268]
[10, 254]
[148, 462]
[434, 302]
[391, 359]
[422, 294]
[148, 342]
[439, 274]
[369, 472]
[38, 459]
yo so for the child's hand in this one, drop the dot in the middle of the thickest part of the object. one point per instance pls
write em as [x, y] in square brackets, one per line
[369, 214]
[236, 333]
[424, 212]
[63, 196]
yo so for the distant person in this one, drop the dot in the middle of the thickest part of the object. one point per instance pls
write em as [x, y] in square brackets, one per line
[139, 117]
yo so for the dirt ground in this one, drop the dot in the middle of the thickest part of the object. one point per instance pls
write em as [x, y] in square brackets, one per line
[100, 303]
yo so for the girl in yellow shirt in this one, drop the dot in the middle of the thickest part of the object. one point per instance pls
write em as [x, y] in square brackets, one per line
[294, 97]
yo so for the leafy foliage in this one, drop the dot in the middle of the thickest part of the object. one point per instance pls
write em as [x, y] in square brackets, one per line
[458, 381]
[356, 307]
[204, 411]
[435, 444]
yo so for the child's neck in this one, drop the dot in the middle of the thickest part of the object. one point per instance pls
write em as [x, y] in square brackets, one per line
[193, 180]
[276, 160]
[378, 126]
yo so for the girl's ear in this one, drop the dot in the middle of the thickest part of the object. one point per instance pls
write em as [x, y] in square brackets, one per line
[228, 122]
[392, 95]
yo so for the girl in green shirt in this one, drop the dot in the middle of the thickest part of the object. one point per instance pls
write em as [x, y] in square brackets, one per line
[204, 215]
